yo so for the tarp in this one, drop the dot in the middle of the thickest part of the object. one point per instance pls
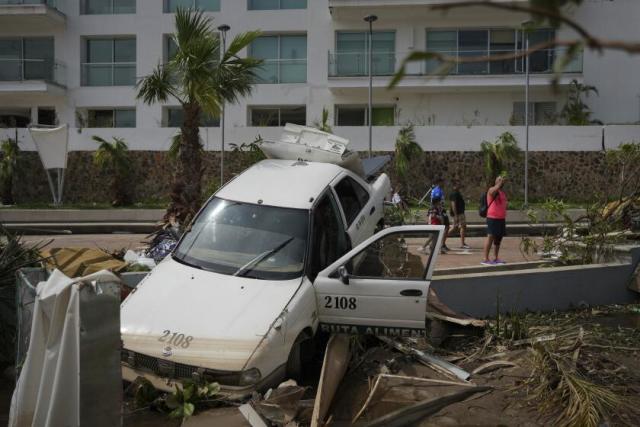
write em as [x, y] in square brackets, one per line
[52, 145]
[48, 392]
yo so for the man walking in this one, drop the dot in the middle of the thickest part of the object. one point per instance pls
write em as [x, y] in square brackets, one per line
[457, 211]
[438, 207]
[496, 221]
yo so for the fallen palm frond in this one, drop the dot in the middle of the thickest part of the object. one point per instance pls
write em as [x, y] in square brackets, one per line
[563, 392]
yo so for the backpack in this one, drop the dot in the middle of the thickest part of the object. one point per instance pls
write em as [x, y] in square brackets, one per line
[483, 208]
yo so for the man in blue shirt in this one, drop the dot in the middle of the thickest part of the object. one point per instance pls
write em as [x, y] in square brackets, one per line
[437, 202]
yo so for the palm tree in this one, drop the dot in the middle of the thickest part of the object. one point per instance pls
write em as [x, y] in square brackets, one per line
[576, 112]
[113, 157]
[324, 125]
[8, 164]
[201, 82]
[407, 149]
[497, 154]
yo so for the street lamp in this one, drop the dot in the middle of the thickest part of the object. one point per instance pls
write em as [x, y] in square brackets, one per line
[370, 19]
[525, 31]
[223, 31]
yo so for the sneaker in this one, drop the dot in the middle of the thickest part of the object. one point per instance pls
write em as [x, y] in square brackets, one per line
[445, 247]
[498, 261]
[444, 250]
[465, 247]
[487, 262]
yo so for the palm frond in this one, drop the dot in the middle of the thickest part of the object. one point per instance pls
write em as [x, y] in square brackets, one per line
[406, 149]
[157, 87]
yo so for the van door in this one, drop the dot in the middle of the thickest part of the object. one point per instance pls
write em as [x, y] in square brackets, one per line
[380, 287]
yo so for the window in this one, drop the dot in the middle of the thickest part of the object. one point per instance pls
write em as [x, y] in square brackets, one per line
[108, 7]
[15, 117]
[285, 58]
[490, 42]
[351, 57]
[540, 113]
[112, 118]
[170, 6]
[278, 116]
[109, 62]
[175, 117]
[26, 59]
[276, 4]
[401, 256]
[47, 116]
[347, 115]
[329, 239]
[352, 198]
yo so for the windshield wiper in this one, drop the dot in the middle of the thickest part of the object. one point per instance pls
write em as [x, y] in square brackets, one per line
[258, 259]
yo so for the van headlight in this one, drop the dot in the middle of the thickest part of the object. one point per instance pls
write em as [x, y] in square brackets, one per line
[250, 376]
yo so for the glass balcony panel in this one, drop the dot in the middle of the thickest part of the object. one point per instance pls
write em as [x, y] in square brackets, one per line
[124, 6]
[268, 72]
[173, 5]
[264, 4]
[125, 118]
[97, 74]
[124, 74]
[293, 4]
[97, 7]
[293, 71]
[208, 5]
[35, 69]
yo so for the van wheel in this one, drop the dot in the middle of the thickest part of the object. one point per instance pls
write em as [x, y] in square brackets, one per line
[299, 355]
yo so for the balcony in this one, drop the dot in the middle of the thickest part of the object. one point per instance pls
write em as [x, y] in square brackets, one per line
[109, 74]
[282, 71]
[20, 76]
[40, 14]
[351, 69]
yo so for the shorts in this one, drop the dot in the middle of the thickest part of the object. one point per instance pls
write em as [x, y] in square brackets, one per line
[496, 228]
[459, 220]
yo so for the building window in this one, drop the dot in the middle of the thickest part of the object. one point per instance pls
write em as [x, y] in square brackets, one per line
[174, 117]
[351, 56]
[26, 59]
[355, 115]
[278, 116]
[108, 7]
[111, 118]
[109, 62]
[47, 116]
[285, 58]
[170, 6]
[489, 42]
[276, 4]
[15, 117]
[540, 113]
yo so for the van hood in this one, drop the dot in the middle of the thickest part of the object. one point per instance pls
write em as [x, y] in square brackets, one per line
[218, 320]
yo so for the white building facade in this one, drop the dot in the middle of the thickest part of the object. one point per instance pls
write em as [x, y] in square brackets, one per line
[77, 61]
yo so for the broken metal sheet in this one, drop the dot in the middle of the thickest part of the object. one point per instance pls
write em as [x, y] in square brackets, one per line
[373, 165]
[429, 360]
[282, 404]
[252, 416]
[492, 366]
[334, 366]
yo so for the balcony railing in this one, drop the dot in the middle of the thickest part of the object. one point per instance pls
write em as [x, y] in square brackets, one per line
[278, 71]
[353, 64]
[14, 70]
[108, 74]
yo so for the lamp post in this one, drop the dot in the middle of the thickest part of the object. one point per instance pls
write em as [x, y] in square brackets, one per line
[370, 19]
[525, 26]
[223, 31]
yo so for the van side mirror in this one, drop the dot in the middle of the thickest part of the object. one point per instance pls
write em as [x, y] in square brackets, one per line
[344, 275]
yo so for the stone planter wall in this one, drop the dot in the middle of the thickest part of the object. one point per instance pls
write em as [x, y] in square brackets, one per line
[574, 176]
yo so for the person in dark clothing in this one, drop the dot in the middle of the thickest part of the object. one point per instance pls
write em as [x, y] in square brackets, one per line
[457, 212]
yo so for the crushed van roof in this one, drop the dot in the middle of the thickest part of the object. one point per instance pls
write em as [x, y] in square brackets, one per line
[285, 183]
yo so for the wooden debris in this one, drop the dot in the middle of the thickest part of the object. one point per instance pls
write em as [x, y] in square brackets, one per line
[413, 413]
[492, 366]
[534, 340]
[334, 366]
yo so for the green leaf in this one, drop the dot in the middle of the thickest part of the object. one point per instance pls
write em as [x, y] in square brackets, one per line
[214, 388]
[188, 409]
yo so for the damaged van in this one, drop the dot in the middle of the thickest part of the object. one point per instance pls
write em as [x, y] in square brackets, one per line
[286, 249]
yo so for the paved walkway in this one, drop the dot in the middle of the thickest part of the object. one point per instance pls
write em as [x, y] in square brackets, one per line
[510, 251]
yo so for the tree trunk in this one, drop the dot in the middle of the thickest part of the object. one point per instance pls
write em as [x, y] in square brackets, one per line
[187, 181]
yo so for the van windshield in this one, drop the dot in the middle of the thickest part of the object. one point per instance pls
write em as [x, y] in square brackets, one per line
[242, 239]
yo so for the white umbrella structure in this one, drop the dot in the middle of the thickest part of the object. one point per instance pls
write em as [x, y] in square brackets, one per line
[53, 145]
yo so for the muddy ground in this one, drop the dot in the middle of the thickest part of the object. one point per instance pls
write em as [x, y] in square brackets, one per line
[605, 342]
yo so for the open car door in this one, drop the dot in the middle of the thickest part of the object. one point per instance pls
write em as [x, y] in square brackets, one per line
[380, 287]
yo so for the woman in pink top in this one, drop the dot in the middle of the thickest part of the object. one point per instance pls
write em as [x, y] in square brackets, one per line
[496, 221]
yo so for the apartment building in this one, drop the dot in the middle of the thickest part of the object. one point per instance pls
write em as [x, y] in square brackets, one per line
[77, 61]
